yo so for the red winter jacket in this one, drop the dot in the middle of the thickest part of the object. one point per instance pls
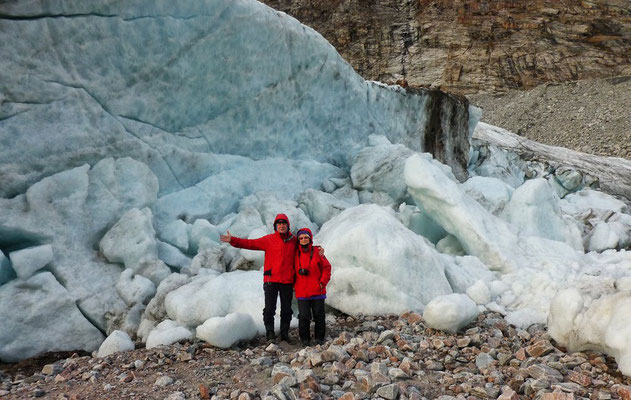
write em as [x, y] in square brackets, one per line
[319, 272]
[279, 253]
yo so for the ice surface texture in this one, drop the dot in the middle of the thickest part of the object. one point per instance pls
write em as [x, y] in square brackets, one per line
[170, 83]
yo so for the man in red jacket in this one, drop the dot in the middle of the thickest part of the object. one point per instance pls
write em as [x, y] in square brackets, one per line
[313, 274]
[278, 272]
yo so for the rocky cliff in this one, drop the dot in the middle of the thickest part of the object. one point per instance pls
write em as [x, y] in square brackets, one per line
[474, 46]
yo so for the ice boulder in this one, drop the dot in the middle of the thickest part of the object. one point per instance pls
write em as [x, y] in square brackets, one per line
[603, 325]
[492, 193]
[176, 233]
[450, 313]
[116, 342]
[210, 296]
[49, 320]
[379, 168]
[223, 332]
[134, 289]
[167, 332]
[378, 265]
[132, 241]
[608, 235]
[479, 292]
[533, 210]
[28, 261]
[321, 206]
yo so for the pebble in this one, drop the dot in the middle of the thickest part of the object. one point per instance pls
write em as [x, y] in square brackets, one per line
[164, 381]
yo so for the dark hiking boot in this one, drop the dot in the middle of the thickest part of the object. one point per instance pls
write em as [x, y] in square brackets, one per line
[284, 336]
[270, 335]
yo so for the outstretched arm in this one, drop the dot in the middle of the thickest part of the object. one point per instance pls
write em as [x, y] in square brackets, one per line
[250, 244]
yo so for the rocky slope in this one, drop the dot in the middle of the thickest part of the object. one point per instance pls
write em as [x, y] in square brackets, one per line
[592, 116]
[394, 356]
[474, 46]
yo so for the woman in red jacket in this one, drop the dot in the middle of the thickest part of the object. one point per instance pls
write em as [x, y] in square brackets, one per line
[313, 272]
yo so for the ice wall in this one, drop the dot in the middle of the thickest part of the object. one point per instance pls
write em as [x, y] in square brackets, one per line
[168, 83]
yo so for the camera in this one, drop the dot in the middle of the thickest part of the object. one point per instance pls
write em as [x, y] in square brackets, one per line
[303, 271]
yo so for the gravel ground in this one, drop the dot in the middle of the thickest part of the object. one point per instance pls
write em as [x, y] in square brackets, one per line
[391, 357]
[592, 116]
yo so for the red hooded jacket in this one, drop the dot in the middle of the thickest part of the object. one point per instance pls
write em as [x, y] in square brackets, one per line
[279, 253]
[319, 270]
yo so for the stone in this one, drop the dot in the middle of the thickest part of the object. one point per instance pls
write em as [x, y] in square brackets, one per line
[164, 381]
[397, 374]
[557, 395]
[280, 371]
[483, 361]
[579, 378]
[540, 348]
[389, 392]
[385, 335]
[508, 394]
[203, 392]
[541, 371]
[624, 391]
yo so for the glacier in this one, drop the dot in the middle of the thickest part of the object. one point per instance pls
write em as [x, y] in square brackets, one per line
[133, 135]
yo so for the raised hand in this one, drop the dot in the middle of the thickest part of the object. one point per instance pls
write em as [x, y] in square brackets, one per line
[226, 238]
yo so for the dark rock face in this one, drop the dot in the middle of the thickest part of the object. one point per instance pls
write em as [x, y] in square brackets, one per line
[446, 131]
[474, 46]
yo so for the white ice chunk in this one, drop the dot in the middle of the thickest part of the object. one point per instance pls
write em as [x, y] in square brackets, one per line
[116, 342]
[418, 221]
[176, 233]
[155, 309]
[54, 322]
[450, 245]
[223, 332]
[479, 292]
[498, 163]
[209, 258]
[269, 205]
[564, 309]
[28, 261]
[379, 168]
[134, 289]
[247, 220]
[217, 296]
[604, 325]
[463, 272]
[379, 266]
[172, 256]
[145, 328]
[450, 313]
[603, 237]
[167, 332]
[131, 239]
[321, 207]
[202, 229]
[492, 193]
[588, 199]
[534, 210]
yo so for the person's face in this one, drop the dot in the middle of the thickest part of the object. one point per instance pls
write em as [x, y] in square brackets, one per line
[304, 239]
[282, 227]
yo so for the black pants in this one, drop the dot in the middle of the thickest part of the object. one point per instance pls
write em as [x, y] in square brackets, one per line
[272, 290]
[307, 308]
